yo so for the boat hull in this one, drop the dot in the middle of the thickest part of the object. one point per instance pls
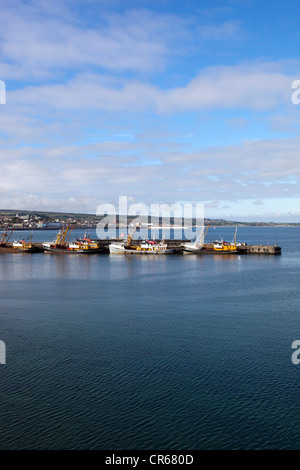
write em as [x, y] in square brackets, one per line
[87, 251]
[24, 247]
[191, 249]
[118, 249]
[26, 250]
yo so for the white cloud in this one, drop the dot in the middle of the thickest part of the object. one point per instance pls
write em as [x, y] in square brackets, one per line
[258, 202]
[255, 86]
[97, 106]
[223, 31]
[38, 42]
[253, 170]
[47, 39]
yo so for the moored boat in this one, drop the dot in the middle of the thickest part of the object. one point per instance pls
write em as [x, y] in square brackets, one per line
[85, 245]
[221, 246]
[195, 246]
[147, 247]
[60, 243]
[24, 246]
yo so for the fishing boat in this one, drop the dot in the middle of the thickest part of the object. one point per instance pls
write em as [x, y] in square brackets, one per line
[85, 245]
[196, 245]
[24, 246]
[147, 247]
[60, 243]
[221, 246]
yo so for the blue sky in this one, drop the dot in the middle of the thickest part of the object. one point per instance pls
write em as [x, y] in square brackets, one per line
[164, 102]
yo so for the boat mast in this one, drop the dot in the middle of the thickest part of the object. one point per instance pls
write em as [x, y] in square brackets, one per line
[200, 239]
[6, 236]
[234, 238]
[130, 236]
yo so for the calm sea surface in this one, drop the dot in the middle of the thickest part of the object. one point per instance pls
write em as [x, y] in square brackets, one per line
[163, 352]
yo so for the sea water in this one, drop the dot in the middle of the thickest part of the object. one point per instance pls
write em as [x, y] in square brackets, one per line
[156, 352]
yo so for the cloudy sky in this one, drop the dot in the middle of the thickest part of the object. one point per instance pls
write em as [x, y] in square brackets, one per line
[160, 101]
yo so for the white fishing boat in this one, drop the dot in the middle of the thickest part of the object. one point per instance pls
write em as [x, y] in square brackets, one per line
[147, 247]
[196, 245]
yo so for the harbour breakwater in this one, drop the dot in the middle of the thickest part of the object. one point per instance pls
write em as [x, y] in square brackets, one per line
[176, 245]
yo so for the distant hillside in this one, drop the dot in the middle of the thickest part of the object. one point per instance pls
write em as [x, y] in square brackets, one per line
[80, 217]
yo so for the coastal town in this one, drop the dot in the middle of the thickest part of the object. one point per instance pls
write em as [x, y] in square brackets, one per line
[42, 221]
[39, 220]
